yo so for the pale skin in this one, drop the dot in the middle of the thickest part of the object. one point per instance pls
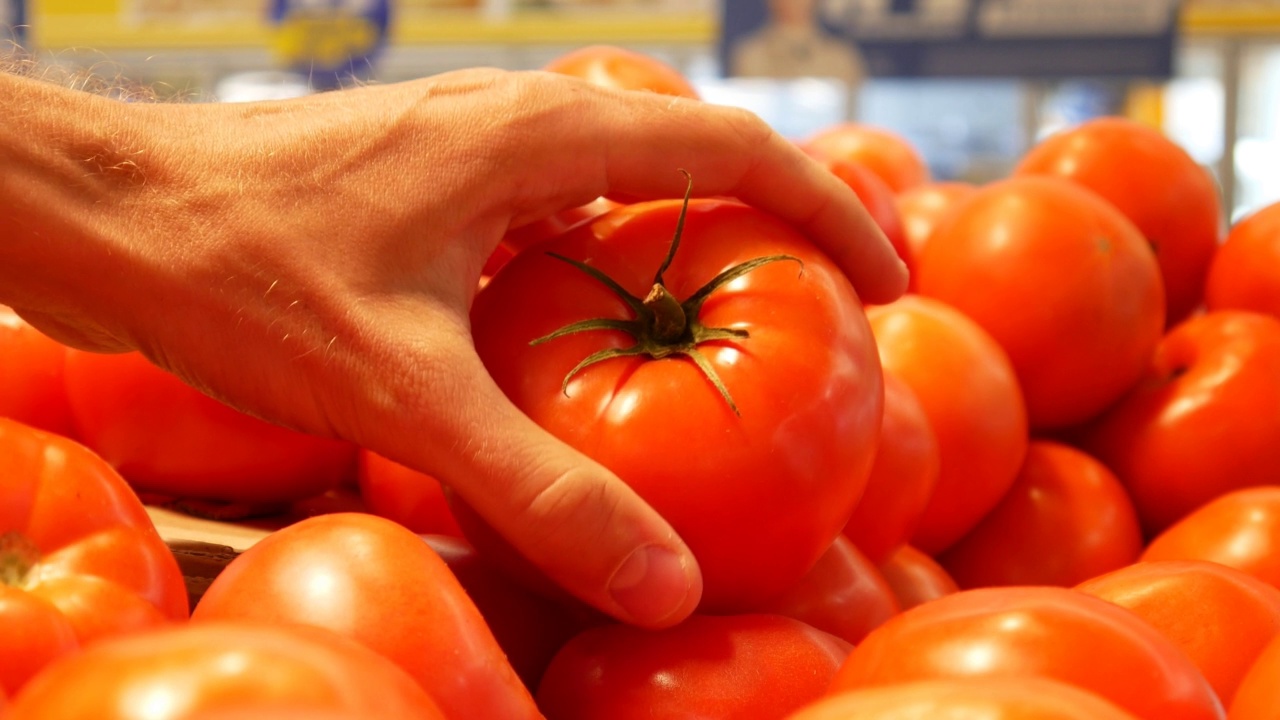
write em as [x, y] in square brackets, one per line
[312, 262]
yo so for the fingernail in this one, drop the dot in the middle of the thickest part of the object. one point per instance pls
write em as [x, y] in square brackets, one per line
[652, 585]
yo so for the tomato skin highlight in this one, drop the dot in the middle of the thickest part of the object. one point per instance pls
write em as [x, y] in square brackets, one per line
[1240, 529]
[758, 497]
[883, 152]
[924, 207]
[972, 698]
[916, 578]
[1245, 274]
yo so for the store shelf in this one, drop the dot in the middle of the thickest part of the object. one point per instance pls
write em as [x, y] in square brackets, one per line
[1240, 19]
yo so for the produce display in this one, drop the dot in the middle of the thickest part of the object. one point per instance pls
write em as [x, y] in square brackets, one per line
[1043, 485]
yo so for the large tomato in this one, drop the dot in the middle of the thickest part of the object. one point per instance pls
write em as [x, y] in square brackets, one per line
[740, 667]
[31, 385]
[175, 673]
[970, 394]
[916, 578]
[757, 475]
[615, 67]
[1156, 184]
[924, 207]
[1259, 694]
[1240, 529]
[902, 478]
[413, 499]
[1245, 274]
[79, 558]
[1048, 632]
[1062, 281]
[1066, 519]
[1221, 617]
[881, 151]
[1203, 420]
[976, 698]
[374, 581]
[167, 438]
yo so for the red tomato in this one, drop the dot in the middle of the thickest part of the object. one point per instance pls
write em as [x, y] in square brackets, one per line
[79, 558]
[282, 711]
[757, 496]
[1048, 632]
[1062, 281]
[881, 151]
[374, 581]
[1203, 420]
[175, 673]
[903, 476]
[737, 667]
[1259, 694]
[844, 594]
[924, 207]
[31, 367]
[519, 238]
[976, 698]
[1240, 529]
[1245, 274]
[413, 499]
[1221, 618]
[167, 438]
[980, 422]
[1168, 196]
[1065, 520]
[916, 578]
[614, 67]
[877, 198]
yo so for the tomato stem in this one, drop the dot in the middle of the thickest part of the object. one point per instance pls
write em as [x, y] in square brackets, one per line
[18, 556]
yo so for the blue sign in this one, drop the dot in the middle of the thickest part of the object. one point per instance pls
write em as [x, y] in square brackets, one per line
[850, 39]
[332, 41]
[13, 22]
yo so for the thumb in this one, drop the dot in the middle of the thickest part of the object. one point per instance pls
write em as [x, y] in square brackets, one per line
[575, 520]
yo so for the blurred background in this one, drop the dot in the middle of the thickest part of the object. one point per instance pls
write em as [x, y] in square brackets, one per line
[972, 83]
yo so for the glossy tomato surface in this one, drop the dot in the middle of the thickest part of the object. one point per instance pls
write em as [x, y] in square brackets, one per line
[974, 698]
[916, 578]
[844, 594]
[1240, 529]
[413, 499]
[757, 494]
[1259, 694]
[622, 69]
[32, 389]
[924, 207]
[884, 152]
[877, 198]
[1245, 274]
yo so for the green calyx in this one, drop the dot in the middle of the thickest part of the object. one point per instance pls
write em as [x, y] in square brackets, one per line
[663, 326]
[18, 556]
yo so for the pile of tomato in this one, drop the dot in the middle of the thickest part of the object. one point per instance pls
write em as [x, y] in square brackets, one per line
[1044, 484]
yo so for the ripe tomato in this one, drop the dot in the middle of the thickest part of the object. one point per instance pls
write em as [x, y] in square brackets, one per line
[174, 673]
[876, 197]
[1203, 420]
[375, 582]
[31, 385]
[881, 151]
[543, 229]
[615, 67]
[757, 496]
[1062, 281]
[413, 499]
[1156, 184]
[1036, 632]
[1259, 694]
[1245, 274]
[924, 207]
[844, 594]
[974, 698]
[1222, 618]
[79, 558]
[1066, 519]
[739, 667]
[916, 578]
[902, 479]
[167, 438]
[980, 422]
[1240, 529]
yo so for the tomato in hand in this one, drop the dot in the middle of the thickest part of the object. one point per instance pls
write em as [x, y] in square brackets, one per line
[79, 558]
[745, 412]
[1156, 184]
[32, 390]
[1222, 618]
[1062, 281]
[168, 438]
[1049, 632]
[969, 392]
[970, 698]
[1066, 519]
[374, 581]
[881, 151]
[615, 67]
[1245, 274]
[738, 667]
[924, 207]
[1203, 420]
[916, 578]
[902, 479]
[175, 673]
[1240, 529]
[413, 499]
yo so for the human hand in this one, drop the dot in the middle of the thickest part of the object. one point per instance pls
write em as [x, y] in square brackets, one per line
[312, 261]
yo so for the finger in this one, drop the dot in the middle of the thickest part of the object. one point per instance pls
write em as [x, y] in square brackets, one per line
[580, 524]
